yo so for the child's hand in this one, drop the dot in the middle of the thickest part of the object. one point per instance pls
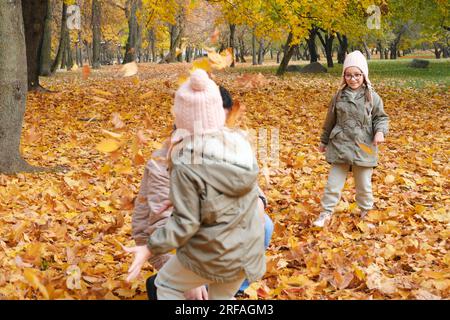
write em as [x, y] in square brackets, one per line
[142, 254]
[379, 138]
[199, 293]
[322, 148]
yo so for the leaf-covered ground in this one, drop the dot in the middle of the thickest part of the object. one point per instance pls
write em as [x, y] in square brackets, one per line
[60, 233]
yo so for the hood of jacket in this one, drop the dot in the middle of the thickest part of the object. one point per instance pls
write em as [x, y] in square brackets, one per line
[223, 159]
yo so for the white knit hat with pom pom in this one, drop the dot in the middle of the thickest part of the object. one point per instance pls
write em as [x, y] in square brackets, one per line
[356, 59]
[198, 105]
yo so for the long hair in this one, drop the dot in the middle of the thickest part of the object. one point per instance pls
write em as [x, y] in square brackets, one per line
[367, 90]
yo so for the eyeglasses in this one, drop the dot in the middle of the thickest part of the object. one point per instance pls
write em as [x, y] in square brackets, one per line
[355, 76]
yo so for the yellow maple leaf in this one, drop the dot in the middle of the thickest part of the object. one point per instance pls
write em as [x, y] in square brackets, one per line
[32, 278]
[108, 145]
[222, 60]
[101, 92]
[183, 78]
[203, 64]
[251, 291]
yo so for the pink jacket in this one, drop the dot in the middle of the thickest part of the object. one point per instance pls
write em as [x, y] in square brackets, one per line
[153, 191]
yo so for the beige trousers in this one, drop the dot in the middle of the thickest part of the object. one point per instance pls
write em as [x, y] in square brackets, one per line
[336, 181]
[174, 279]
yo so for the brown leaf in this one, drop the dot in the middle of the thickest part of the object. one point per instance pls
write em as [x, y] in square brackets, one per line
[236, 114]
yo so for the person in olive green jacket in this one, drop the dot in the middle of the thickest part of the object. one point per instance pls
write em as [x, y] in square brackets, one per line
[355, 125]
[213, 189]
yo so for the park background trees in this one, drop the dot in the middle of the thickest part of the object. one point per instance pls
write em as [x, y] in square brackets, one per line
[69, 34]
[121, 31]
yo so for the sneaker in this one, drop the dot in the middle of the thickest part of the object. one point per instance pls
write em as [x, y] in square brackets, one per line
[324, 217]
[151, 288]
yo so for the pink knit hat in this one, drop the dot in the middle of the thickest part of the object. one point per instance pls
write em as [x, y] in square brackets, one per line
[356, 59]
[198, 104]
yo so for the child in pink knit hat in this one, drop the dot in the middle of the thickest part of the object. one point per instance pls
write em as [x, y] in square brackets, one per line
[214, 226]
[354, 127]
[152, 209]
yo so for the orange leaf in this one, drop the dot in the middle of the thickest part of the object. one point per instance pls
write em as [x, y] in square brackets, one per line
[86, 72]
[138, 158]
[215, 36]
[252, 81]
[32, 136]
[367, 149]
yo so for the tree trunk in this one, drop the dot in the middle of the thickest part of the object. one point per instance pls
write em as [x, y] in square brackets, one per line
[437, 50]
[179, 52]
[393, 50]
[366, 49]
[96, 33]
[306, 53]
[288, 52]
[261, 52]
[343, 47]
[34, 13]
[445, 52]
[62, 41]
[13, 89]
[80, 50]
[242, 49]
[68, 53]
[254, 62]
[151, 34]
[77, 56]
[380, 49]
[312, 45]
[88, 52]
[395, 43]
[188, 54]
[176, 33]
[119, 55]
[131, 47]
[46, 51]
[232, 43]
[327, 44]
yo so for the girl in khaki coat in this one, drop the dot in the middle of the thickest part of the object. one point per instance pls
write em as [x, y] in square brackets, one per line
[355, 125]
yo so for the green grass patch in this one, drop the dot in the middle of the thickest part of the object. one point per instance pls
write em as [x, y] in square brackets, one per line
[392, 72]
